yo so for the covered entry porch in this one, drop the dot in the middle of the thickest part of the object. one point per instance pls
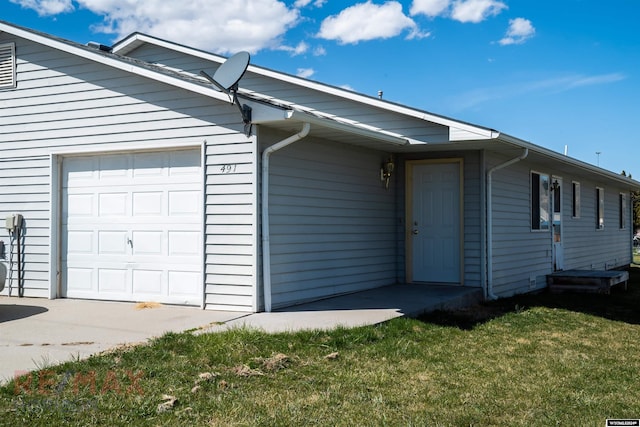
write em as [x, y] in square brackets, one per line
[368, 307]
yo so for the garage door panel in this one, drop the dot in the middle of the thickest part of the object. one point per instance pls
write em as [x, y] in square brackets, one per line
[112, 242]
[80, 279]
[184, 203]
[115, 166]
[186, 243]
[148, 203]
[80, 242]
[148, 243]
[149, 164]
[149, 282]
[184, 163]
[113, 280]
[78, 205]
[184, 283]
[112, 204]
[132, 227]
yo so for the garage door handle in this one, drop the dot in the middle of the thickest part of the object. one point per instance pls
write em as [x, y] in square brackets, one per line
[130, 242]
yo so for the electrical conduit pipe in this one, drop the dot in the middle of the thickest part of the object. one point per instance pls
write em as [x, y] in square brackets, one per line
[489, 208]
[266, 250]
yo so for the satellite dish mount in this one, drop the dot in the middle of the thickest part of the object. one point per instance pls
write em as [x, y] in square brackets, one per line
[226, 79]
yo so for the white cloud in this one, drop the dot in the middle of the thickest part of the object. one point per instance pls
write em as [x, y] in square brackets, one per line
[554, 85]
[431, 8]
[459, 10]
[46, 7]
[305, 73]
[579, 81]
[476, 10]
[219, 26]
[301, 48]
[319, 51]
[368, 21]
[519, 31]
[304, 3]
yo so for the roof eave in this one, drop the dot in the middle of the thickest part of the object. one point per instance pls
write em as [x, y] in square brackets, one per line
[633, 184]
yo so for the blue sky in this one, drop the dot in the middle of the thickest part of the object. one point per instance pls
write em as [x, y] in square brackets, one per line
[553, 72]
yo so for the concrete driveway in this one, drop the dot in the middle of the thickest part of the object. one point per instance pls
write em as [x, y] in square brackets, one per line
[35, 332]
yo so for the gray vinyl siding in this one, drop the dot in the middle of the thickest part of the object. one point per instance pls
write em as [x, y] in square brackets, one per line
[231, 218]
[64, 103]
[295, 94]
[24, 184]
[521, 254]
[333, 224]
[586, 247]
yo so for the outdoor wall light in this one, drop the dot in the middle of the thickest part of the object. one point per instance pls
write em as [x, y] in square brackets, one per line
[386, 170]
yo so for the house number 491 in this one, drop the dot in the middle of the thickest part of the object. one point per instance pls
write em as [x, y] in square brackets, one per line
[228, 168]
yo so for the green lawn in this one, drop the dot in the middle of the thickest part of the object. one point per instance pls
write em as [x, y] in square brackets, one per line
[537, 360]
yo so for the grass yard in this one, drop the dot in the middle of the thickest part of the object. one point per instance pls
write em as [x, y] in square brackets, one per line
[536, 360]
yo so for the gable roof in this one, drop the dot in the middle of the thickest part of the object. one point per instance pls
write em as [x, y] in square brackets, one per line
[269, 111]
[189, 82]
[465, 135]
[460, 130]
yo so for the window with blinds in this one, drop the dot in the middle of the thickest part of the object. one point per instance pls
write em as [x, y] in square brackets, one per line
[7, 65]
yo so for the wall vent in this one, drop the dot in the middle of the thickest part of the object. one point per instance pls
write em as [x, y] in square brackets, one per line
[7, 65]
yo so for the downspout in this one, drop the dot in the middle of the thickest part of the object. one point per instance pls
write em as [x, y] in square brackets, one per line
[266, 250]
[489, 232]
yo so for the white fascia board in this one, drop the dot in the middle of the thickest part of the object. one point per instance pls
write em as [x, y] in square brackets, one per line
[459, 131]
[115, 63]
[129, 43]
[264, 113]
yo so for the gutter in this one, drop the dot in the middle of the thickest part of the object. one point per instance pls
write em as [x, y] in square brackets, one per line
[266, 250]
[489, 217]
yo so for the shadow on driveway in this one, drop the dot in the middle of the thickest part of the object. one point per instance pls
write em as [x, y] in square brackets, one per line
[9, 312]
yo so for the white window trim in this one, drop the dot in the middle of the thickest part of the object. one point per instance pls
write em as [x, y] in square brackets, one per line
[7, 66]
[575, 201]
[600, 208]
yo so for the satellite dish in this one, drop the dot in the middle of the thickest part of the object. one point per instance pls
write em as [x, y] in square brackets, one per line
[230, 72]
[226, 78]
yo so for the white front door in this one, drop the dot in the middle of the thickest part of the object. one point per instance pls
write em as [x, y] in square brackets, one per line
[132, 227]
[434, 222]
[558, 251]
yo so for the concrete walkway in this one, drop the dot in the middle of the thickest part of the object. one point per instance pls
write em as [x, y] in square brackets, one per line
[35, 333]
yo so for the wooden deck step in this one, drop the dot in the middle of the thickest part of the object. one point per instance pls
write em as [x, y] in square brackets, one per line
[599, 281]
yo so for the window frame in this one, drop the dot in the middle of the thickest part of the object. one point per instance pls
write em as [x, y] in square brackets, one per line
[540, 197]
[575, 199]
[599, 208]
[623, 207]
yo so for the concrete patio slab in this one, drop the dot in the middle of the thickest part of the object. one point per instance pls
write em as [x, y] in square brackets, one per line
[361, 308]
[35, 333]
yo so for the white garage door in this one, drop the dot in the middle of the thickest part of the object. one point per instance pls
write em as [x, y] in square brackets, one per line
[132, 227]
